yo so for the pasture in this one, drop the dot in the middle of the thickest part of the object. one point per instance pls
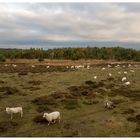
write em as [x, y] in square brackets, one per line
[76, 95]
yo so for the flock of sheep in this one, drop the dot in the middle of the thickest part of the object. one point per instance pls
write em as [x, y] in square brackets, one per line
[52, 117]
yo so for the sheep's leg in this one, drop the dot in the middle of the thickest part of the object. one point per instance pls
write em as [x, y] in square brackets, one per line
[49, 123]
[11, 116]
[59, 119]
[21, 114]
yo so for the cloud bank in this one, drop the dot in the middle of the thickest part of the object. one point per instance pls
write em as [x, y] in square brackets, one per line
[41, 23]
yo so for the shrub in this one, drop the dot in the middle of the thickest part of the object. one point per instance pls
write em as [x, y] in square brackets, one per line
[43, 108]
[41, 59]
[6, 125]
[2, 58]
[40, 119]
[71, 103]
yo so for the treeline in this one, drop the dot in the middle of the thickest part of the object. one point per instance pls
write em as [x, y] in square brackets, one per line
[115, 53]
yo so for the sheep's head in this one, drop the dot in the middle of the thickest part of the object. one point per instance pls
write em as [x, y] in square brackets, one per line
[45, 115]
[7, 109]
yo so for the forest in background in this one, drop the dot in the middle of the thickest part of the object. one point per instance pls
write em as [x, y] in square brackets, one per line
[104, 53]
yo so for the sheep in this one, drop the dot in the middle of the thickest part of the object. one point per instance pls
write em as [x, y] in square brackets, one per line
[52, 116]
[72, 67]
[129, 65]
[33, 66]
[127, 83]
[132, 71]
[79, 66]
[103, 68]
[47, 67]
[119, 72]
[88, 67]
[125, 72]
[110, 74]
[67, 67]
[123, 79]
[15, 110]
[109, 66]
[117, 66]
[108, 104]
[95, 77]
[6, 65]
[14, 65]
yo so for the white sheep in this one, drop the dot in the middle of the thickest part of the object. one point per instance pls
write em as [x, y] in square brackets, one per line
[103, 68]
[119, 72]
[110, 74]
[72, 67]
[15, 110]
[129, 65]
[33, 66]
[117, 66]
[108, 104]
[6, 65]
[132, 71]
[123, 79]
[109, 66]
[127, 83]
[52, 116]
[125, 72]
[14, 65]
[47, 67]
[95, 77]
[88, 67]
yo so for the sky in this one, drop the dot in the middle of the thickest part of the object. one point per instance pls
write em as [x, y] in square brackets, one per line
[49, 25]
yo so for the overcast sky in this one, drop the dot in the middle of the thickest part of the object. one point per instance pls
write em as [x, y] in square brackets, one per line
[27, 24]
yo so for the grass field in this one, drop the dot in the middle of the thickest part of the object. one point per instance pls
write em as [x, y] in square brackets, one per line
[78, 97]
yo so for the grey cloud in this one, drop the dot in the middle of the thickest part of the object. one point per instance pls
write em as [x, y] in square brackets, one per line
[69, 22]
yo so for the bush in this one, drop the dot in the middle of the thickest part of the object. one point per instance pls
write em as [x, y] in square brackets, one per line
[70, 103]
[40, 119]
[41, 59]
[2, 58]
[45, 100]
[6, 125]
[43, 108]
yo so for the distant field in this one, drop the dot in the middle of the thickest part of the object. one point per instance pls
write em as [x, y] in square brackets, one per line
[73, 92]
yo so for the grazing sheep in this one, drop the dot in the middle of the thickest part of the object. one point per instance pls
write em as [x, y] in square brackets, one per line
[67, 67]
[79, 66]
[132, 71]
[119, 72]
[52, 116]
[110, 74]
[6, 65]
[123, 79]
[129, 65]
[103, 68]
[127, 83]
[88, 67]
[125, 72]
[109, 66]
[95, 77]
[72, 67]
[14, 65]
[15, 110]
[108, 104]
[33, 66]
[117, 66]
